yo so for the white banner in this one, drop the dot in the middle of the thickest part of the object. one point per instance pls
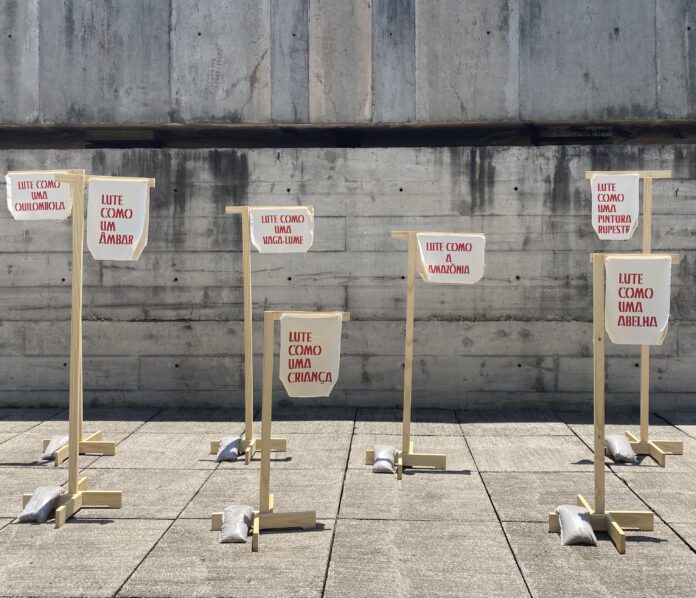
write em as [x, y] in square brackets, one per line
[615, 205]
[310, 353]
[38, 196]
[451, 258]
[118, 213]
[282, 229]
[637, 299]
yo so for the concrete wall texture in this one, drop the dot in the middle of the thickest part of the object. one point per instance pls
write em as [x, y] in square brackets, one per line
[167, 329]
[345, 61]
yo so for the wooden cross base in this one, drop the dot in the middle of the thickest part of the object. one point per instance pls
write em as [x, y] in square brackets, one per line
[411, 459]
[250, 447]
[656, 449]
[271, 520]
[91, 445]
[611, 522]
[69, 504]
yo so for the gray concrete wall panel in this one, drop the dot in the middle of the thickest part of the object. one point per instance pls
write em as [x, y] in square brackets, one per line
[167, 329]
[221, 56]
[340, 61]
[467, 60]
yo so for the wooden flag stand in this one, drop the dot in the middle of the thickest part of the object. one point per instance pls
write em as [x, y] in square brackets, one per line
[78, 495]
[406, 457]
[92, 444]
[249, 444]
[611, 522]
[265, 518]
[656, 449]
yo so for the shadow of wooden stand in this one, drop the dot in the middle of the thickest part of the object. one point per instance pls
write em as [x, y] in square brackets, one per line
[611, 522]
[249, 444]
[406, 457]
[78, 495]
[265, 517]
[644, 445]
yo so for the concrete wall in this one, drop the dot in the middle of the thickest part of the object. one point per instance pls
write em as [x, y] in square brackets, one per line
[83, 62]
[166, 330]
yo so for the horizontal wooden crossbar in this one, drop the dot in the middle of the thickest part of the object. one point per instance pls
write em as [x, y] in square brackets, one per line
[643, 174]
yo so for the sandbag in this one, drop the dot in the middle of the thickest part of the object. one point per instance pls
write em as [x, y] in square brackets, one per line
[56, 443]
[620, 449]
[40, 505]
[384, 459]
[576, 526]
[236, 520]
[229, 448]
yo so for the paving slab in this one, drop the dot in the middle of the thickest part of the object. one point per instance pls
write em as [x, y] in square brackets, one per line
[317, 491]
[115, 423]
[83, 558]
[216, 422]
[4, 522]
[20, 420]
[656, 563]
[530, 453]
[15, 481]
[685, 421]
[422, 496]
[310, 420]
[530, 496]
[147, 493]
[419, 558]
[25, 450]
[305, 451]
[4, 437]
[160, 451]
[583, 426]
[454, 447]
[189, 561]
[688, 533]
[424, 422]
[512, 423]
[671, 495]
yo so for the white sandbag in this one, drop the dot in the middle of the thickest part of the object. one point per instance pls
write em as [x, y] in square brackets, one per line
[229, 448]
[576, 526]
[384, 459]
[236, 520]
[40, 505]
[56, 443]
[620, 449]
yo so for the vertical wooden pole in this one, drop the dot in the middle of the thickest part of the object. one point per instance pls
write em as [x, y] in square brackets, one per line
[645, 349]
[408, 351]
[75, 409]
[266, 407]
[599, 379]
[248, 329]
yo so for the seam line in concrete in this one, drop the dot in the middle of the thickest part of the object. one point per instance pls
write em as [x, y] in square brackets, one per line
[340, 503]
[495, 510]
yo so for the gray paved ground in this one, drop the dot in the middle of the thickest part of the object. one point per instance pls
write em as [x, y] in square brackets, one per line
[477, 529]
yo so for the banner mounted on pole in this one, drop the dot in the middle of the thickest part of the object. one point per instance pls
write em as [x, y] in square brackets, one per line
[117, 217]
[637, 299]
[615, 205]
[282, 229]
[310, 353]
[451, 258]
[38, 195]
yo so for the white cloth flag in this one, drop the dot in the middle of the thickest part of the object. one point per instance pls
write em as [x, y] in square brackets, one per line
[615, 205]
[118, 214]
[282, 229]
[310, 353]
[38, 195]
[637, 299]
[451, 258]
